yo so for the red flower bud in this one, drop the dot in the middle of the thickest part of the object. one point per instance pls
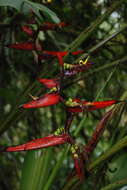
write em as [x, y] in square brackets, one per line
[51, 140]
[44, 101]
[27, 30]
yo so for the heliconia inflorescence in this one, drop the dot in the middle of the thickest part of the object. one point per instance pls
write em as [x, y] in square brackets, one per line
[55, 95]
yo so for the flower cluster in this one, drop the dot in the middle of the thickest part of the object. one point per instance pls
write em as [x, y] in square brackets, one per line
[55, 96]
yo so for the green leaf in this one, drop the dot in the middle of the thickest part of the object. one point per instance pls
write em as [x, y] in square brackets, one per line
[25, 6]
[36, 169]
[115, 185]
[12, 3]
[36, 8]
[120, 164]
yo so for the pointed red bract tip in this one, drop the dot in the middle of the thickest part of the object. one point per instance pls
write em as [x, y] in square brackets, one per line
[51, 140]
[100, 104]
[49, 83]
[77, 52]
[44, 101]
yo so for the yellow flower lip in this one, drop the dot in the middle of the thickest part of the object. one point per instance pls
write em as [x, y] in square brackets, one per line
[81, 62]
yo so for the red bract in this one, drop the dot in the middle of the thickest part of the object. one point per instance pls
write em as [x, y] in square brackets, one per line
[61, 54]
[79, 106]
[46, 100]
[52, 26]
[50, 54]
[24, 46]
[58, 54]
[98, 132]
[49, 83]
[51, 140]
[27, 30]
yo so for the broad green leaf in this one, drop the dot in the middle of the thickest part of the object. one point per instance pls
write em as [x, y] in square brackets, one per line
[36, 169]
[26, 6]
[36, 8]
[12, 3]
[119, 164]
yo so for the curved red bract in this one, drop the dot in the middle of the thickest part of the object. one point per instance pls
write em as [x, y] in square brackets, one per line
[91, 106]
[51, 140]
[44, 101]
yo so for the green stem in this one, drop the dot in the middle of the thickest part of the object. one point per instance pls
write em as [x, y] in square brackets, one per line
[105, 84]
[100, 44]
[115, 185]
[55, 170]
[70, 183]
[108, 65]
[101, 68]
[86, 33]
[113, 150]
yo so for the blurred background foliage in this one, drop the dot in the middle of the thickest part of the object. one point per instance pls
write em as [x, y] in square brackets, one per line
[107, 79]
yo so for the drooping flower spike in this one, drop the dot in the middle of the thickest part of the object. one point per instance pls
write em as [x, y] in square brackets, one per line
[48, 99]
[51, 140]
[77, 105]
